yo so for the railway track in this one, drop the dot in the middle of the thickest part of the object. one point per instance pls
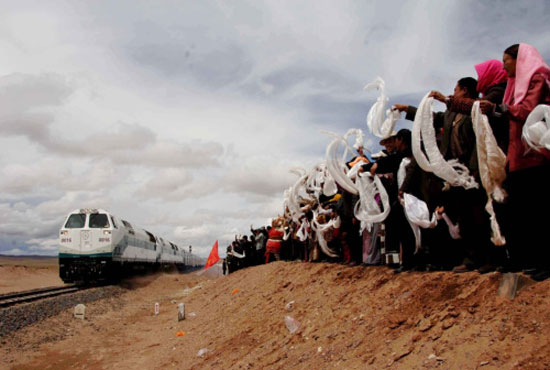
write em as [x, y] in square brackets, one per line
[11, 299]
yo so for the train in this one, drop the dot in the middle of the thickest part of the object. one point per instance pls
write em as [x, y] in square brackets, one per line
[95, 245]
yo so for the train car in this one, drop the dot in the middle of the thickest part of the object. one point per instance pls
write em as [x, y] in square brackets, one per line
[95, 245]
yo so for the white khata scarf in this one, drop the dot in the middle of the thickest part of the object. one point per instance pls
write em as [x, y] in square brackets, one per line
[453, 172]
[491, 162]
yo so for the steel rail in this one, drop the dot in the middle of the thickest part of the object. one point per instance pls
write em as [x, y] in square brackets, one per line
[10, 299]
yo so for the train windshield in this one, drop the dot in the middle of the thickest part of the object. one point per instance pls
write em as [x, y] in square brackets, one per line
[76, 221]
[99, 220]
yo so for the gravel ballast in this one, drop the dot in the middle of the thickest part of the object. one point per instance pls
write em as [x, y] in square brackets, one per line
[17, 317]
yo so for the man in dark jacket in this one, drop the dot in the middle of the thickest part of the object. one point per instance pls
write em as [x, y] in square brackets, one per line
[458, 141]
[399, 236]
[458, 138]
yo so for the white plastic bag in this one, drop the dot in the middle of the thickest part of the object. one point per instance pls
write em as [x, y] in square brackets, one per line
[291, 324]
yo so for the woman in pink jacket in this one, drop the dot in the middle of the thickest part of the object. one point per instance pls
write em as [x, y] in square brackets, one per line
[528, 171]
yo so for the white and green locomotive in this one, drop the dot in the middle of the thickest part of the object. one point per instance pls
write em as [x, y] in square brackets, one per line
[95, 245]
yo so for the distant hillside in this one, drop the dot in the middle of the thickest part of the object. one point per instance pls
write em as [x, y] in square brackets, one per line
[29, 261]
[27, 256]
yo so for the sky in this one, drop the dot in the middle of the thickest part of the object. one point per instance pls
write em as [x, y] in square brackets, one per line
[186, 117]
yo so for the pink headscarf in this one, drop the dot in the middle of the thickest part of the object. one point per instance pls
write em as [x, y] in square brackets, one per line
[489, 73]
[528, 63]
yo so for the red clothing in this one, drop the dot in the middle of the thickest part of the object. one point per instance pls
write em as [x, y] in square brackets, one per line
[537, 93]
[489, 73]
[274, 241]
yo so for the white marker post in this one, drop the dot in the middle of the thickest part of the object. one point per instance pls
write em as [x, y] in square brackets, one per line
[79, 311]
[181, 312]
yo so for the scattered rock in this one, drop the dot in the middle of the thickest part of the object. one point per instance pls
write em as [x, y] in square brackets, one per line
[425, 326]
[289, 306]
[202, 352]
[399, 356]
[447, 324]
[395, 323]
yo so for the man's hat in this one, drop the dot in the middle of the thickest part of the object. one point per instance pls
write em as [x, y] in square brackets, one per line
[387, 139]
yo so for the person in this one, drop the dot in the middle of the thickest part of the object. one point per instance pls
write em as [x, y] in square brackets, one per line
[348, 238]
[237, 255]
[528, 171]
[274, 241]
[259, 243]
[230, 261]
[361, 157]
[399, 236]
[249, 249]
[458, 141]
[491, 84]
[388, 144]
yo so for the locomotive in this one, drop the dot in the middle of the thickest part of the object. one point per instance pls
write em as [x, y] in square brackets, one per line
[95, 245]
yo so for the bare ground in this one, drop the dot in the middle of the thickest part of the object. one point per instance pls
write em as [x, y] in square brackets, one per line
[25, 273]
[350, 318]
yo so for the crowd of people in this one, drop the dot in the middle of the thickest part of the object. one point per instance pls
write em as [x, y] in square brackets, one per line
[507, 93]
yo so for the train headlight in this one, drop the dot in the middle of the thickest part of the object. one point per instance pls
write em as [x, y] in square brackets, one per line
[64, 232]
[106, 232]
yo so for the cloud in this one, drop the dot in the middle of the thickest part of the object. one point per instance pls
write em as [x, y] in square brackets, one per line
[45, 218]
[186, 118]
[20, 93]
[264, 180]
[170, 184]
[213, 68]
[21, 219]
[27, 102]
[134, 144]
[43, 246]
[192, 233]
[50, 176]
[15, 252]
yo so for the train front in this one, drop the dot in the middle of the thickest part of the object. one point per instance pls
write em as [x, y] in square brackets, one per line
[86, 246]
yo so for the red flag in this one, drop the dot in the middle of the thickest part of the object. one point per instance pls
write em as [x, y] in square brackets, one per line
[213, 257]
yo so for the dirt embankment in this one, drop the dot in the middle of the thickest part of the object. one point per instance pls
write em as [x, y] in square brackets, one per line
[350, 318]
